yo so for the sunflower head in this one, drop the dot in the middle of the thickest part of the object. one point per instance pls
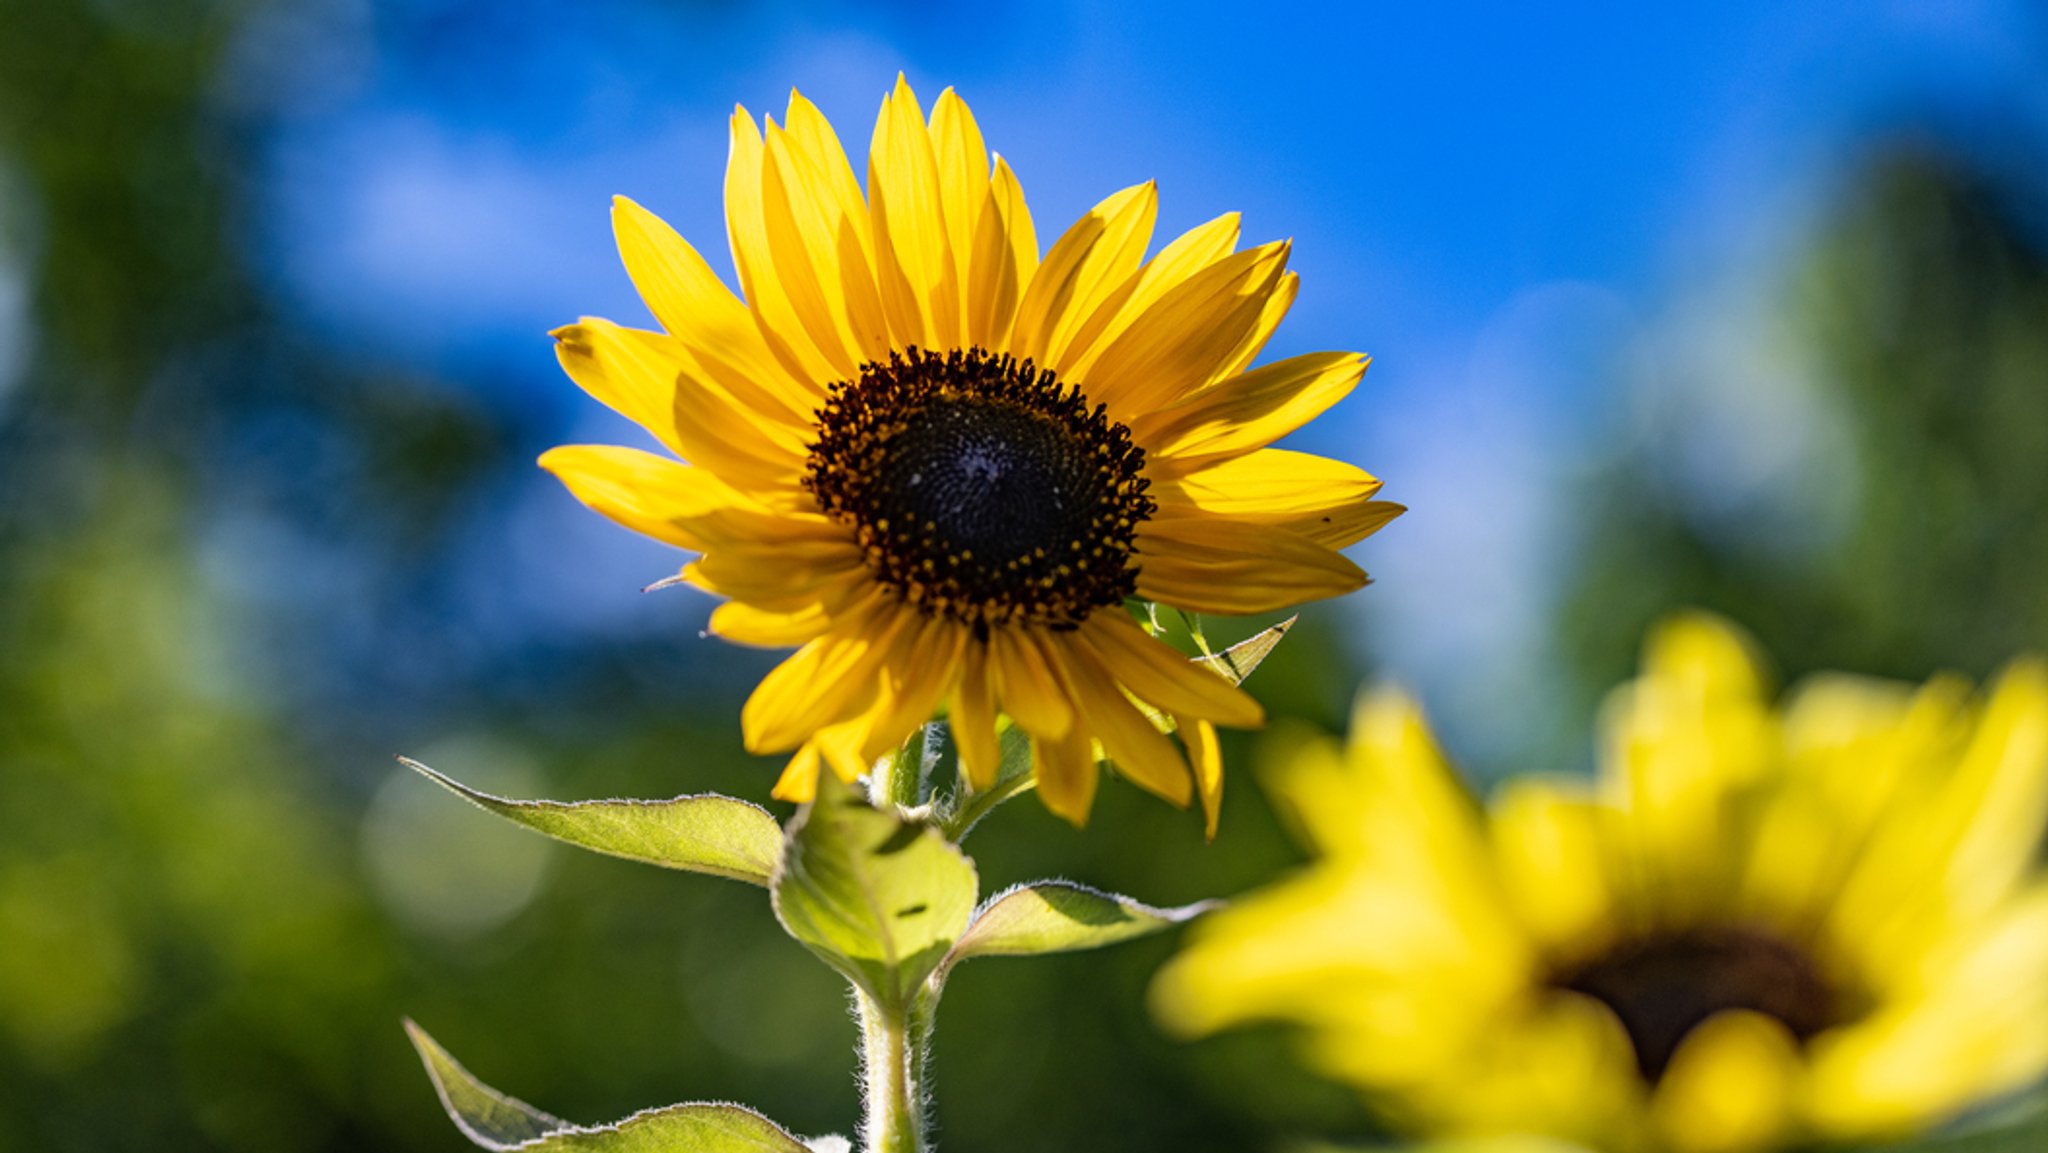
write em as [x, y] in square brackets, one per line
[940, 463]
[1759, 927]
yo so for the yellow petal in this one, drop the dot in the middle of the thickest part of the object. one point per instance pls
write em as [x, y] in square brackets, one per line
[748, 624]
[1085, 265]
[785, 575]
[1976, 1030]
[1158, 675]
[1730, 1087]
[1680, 744]
[1141, 753]
[802, 225]
[919, 674]
[913, 251]
[703, 425]
[1551, 858]
[753, 256]
[1005, 254]
[845, 211]
[1189, 253]
[1247, 412]
[1327, 501]
[1210, 565]
[1205, 756]
[973, 719]
[962, 160]
[1026, 686]
[713, 327]
[825, 682]
[1277, 303]
[1065, 771]
[649, 494]
[1174, 347]
[799, 780]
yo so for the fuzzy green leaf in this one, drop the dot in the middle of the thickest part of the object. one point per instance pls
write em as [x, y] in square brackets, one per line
[711, 834]
[494, 1121]
[879, 898]
[1061, 917]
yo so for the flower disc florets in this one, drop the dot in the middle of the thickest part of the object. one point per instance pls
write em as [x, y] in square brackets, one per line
[1661, 987]
[980, 488]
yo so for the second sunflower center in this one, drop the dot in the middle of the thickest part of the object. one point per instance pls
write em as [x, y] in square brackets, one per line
[981, 488]
[1662, 987]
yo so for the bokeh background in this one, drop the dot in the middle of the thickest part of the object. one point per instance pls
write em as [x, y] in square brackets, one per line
[1745, 307]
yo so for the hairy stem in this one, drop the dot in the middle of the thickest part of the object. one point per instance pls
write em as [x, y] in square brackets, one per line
[893, 1043]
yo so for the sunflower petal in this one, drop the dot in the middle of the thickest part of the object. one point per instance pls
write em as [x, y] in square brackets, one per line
[1247, 412]
[1210, 565]
[913, 251]
[748, 624]
[1277, 304]
[1174, 347]
[1196, 249]
[1026, 686]
[1141, 753]
[962, 159]
[1327, 501]
[803, 230]
[1065, 770]
[973, 719]
[703, 424]
[1089, 262]
[649, 494]
[1158, 675]
[1205, 757]
[824, 683]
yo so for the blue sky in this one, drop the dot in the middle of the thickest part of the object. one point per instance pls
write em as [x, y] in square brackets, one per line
[1495, 200]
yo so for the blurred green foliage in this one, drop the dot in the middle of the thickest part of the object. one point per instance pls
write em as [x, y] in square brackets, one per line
[1912, 339]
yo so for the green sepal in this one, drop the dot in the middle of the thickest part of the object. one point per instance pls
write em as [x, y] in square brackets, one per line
[1236, 663]
[722, 836]
[878, 897]
[1060, 917]
[494, 1121]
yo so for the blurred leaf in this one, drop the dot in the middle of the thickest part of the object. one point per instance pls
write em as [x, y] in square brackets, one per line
[494, 1121]
[1236, 663]
[879, 898]
[711, 834]
[1061, 917]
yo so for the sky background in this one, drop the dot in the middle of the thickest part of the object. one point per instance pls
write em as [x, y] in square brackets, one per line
[1502, 204]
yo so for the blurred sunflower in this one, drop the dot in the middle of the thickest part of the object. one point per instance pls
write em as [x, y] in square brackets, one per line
[1755, 930]
[941, 465]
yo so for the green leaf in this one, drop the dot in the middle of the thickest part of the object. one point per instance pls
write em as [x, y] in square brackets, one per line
[1236, 663]
[879, 898]
[1061, 917]
[494, 1121]
[705, 834]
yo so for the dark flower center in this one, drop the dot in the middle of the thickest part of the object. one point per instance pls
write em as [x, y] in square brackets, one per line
[981, 488]
[1661, 987]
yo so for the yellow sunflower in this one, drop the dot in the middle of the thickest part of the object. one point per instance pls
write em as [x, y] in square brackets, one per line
[1756, 929]
[942, 464]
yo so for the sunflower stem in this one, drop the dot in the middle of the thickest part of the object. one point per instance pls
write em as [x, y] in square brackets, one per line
[962, 820]
[894, 1040]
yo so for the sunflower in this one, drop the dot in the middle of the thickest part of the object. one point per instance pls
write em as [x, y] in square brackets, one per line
[1755, 929]
[942, 464]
